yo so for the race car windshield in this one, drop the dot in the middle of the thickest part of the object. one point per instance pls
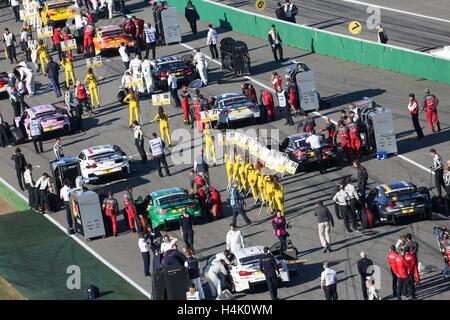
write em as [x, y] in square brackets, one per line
[251, 259]
[111, 33]
[301, 144]
[235, 102]
[102, 156]
[59, 6]
[172, 66]
[173, 200]
[46, 114]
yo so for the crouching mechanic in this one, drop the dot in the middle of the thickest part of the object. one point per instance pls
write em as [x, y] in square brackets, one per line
[111, 208]
[130, 208]
[216, 274]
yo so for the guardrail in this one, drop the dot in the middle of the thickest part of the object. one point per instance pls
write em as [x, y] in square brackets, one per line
[405, 61]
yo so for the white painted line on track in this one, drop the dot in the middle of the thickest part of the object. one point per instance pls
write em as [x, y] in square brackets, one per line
[397, 10]
[84, 245]
[316, 113]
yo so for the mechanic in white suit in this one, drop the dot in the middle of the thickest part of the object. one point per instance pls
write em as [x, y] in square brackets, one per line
[234, 239]
[212, 275]
[202, 66]
[147, 74]
[26, 73]
[136, 65]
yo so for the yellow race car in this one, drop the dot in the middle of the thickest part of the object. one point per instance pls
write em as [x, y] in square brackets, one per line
[58, 10]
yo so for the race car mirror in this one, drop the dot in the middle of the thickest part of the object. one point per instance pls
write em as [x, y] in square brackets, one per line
[196, 84]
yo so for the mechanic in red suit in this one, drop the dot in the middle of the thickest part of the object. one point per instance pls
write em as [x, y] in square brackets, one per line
[89, 40]
[414, 276]
[267, 100]
[402, 268]
[130, 207]
[185, 96]
[355, 138]
[345, 141]
[293, 96]
[216, 201]
[130, 28]
[392, 257]
[430, 103]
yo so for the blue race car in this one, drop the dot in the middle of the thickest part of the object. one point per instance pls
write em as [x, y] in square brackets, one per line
[396, 201]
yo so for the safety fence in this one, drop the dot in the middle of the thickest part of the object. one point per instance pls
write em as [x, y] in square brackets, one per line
[405, 61]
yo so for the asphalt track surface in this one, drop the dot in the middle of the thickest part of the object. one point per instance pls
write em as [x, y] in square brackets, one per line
[340, 83]
[416, 25]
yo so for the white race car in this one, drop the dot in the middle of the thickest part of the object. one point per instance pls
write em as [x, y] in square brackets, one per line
[245, 271]
[104, 160]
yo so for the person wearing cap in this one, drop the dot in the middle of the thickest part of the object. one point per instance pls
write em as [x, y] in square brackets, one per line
[19, 164]
[430, 103]
[133, 100]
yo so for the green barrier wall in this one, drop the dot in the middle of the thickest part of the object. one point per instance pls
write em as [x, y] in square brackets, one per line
[330, 44]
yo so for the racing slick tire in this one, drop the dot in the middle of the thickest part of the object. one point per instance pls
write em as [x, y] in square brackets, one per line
[367, 219]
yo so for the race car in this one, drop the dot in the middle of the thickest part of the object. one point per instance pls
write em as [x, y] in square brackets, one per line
[235, 107]
[244, 269]
[183, 67]
[396, 201]
[109, 38]
[301, 152]
[102, 161]
[58, 10]
[52, 119]
[166, 206]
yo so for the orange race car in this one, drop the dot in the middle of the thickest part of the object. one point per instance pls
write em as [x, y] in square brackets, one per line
[109, 38]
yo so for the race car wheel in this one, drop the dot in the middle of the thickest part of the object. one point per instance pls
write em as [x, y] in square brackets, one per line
[367, 219]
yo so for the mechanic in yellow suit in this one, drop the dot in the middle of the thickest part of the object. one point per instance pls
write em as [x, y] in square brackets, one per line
[269, 192]
[279, 195]
[237, 160]
[132, 99]
[42, 54]
[252, 178]
[229, 164]
[68, 69]
[91, 81]
[163, 120]
[260, 185]
[208, 133]
[243, 174]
